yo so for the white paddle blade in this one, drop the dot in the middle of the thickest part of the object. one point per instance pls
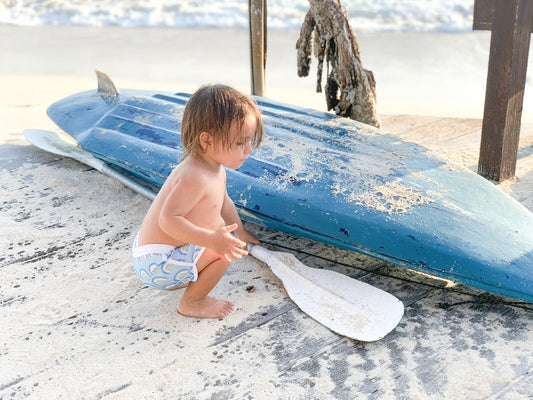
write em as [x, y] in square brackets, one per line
[52, 143]
[346, 306]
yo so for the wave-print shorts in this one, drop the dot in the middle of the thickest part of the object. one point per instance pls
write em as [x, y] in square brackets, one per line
[166, 267]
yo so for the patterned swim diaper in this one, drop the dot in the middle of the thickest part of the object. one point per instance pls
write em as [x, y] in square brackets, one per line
[166, 267]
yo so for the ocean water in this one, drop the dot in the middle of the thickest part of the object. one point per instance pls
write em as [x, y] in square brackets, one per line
[365, 15]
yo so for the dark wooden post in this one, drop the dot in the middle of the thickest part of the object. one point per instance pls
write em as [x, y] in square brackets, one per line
[258, 28]
[511, 22]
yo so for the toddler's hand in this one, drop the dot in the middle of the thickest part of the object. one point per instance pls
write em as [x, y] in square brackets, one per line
[248, 237]
[226, 245]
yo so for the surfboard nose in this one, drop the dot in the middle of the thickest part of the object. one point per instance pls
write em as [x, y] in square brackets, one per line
[77, 113]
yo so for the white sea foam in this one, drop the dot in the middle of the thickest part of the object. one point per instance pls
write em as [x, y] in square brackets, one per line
[365, 15]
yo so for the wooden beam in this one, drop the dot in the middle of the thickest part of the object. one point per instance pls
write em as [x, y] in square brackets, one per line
[483, 13]
[512, 24]
[257, 10]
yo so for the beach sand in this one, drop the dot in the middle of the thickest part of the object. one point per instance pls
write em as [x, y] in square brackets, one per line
[76, 322]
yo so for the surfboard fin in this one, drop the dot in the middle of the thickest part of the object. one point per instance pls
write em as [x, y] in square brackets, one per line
[106, 87]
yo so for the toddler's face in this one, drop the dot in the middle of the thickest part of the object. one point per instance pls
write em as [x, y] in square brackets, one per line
[233, 156]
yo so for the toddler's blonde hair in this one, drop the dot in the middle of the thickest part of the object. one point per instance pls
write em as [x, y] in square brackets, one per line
[213, 109]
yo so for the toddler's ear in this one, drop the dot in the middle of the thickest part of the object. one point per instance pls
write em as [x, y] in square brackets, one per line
[206, 140]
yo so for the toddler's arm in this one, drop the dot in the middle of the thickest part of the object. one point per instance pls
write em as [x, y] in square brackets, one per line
[184, 196]
[231, 216]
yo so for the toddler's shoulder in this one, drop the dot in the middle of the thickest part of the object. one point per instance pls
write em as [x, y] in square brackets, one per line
[189, 175]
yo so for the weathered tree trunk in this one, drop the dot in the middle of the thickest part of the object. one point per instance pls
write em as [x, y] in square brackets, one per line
[350, 89]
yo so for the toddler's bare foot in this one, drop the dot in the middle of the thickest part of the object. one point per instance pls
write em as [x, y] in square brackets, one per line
[207, 308]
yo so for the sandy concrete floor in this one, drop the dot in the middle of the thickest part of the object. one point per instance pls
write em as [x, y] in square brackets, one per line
[77, 324]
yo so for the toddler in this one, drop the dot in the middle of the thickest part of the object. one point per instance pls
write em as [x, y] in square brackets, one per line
[192, 230]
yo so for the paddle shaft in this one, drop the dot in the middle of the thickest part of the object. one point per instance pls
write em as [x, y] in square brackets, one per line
[128, 182]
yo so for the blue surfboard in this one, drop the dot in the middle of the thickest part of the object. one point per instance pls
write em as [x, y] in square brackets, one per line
[333, 180]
